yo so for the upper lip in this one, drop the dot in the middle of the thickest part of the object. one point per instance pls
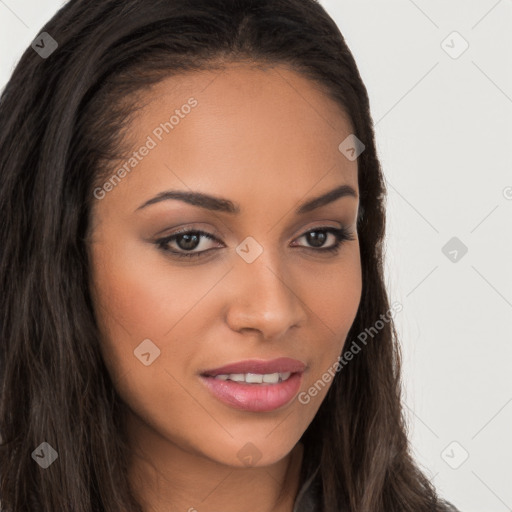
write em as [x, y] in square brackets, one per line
[280, 365]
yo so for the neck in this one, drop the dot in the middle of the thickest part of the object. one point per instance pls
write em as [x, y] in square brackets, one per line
[165, 476]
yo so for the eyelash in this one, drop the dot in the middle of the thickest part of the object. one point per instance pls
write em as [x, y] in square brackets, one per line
[342, 234]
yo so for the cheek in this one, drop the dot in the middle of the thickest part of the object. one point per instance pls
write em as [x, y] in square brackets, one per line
[138, 298]
[335, 295]
[133, 287]
[334, 301]
[140, 295]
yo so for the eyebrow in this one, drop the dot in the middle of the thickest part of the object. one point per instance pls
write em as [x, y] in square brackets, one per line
[220, 204]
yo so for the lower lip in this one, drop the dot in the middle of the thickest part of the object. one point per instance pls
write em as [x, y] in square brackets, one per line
[254, 397]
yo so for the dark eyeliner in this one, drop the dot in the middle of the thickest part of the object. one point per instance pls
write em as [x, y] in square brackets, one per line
[163, 242]
[341, 235]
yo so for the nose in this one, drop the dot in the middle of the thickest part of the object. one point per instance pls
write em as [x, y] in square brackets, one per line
[264, 297]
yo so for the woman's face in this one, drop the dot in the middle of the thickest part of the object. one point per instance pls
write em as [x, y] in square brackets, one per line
[262, 143]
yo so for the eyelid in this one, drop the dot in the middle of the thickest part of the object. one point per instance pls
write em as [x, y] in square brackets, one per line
[213, 234]
[342, 234]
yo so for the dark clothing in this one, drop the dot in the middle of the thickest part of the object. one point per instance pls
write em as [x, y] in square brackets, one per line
[308, 497]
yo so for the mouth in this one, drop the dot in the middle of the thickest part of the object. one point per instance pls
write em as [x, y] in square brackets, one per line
[281, 365]
[253, 378]
[255, 385]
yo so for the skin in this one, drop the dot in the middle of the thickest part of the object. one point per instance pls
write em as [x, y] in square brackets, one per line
[268, 140]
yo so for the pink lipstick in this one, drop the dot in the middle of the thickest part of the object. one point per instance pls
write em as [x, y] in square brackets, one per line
[255, 385]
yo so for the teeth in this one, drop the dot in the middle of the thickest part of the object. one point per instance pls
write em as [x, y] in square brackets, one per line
[256, 378]
[253, 378]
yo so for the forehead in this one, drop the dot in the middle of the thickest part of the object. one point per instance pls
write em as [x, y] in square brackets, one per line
[250, 84]
[257, 132]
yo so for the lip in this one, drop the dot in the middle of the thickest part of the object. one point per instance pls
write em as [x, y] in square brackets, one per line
[254, 397]
[261, 366]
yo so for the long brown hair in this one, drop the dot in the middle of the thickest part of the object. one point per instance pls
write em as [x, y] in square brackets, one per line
[62, 120]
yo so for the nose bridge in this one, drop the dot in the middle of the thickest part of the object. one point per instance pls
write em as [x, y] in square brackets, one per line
[263, 296]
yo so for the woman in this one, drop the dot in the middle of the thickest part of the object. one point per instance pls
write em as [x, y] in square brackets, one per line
[194, 311]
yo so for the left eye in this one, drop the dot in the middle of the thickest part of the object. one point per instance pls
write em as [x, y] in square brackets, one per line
[188, 241]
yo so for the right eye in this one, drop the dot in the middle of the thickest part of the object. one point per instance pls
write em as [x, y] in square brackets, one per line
[187, 241]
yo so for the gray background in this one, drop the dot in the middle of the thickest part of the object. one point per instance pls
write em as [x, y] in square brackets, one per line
[444, 133]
